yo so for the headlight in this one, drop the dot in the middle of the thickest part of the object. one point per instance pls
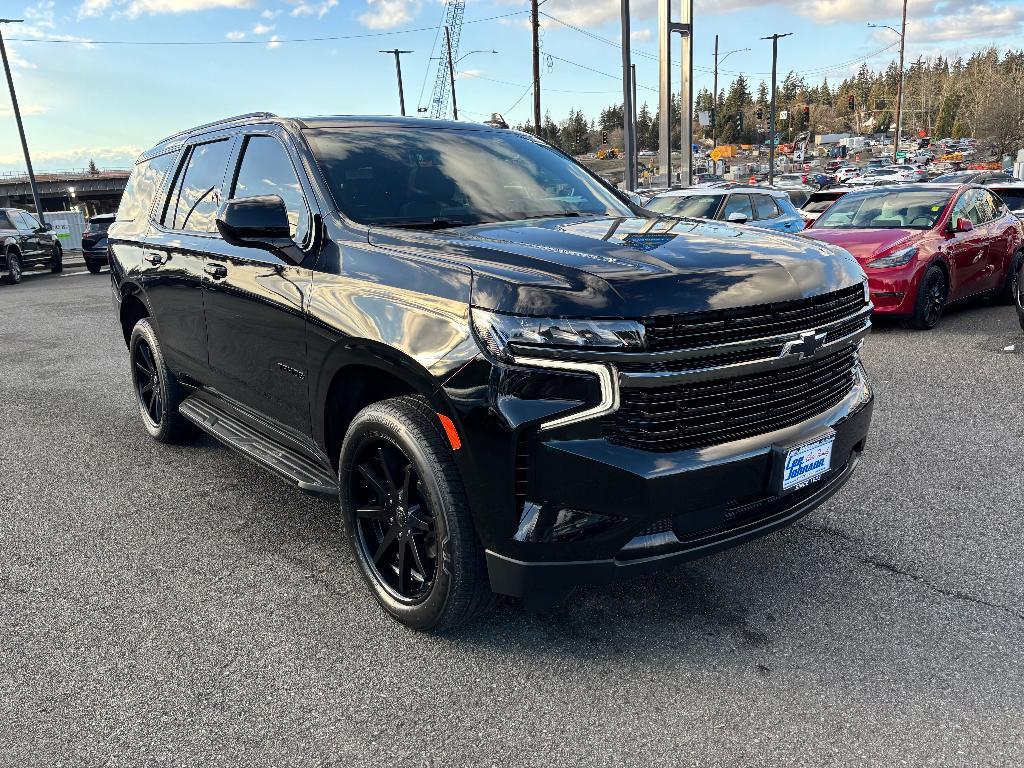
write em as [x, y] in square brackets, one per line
[897, 259]
[498, 331]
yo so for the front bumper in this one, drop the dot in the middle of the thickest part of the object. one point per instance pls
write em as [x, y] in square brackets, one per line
[669, 507]
[894, 291]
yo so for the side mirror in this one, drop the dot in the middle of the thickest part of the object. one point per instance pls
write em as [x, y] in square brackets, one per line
[962, 225]
[258, 222]
[47, 227]
[737, 218]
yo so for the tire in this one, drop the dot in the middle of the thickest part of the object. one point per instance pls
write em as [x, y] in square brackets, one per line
[57, 260]
[1018, 299]
[157, 393]
[1008, 293]
[13, 276]
[407, 518]
[93, 266]
[932, 293]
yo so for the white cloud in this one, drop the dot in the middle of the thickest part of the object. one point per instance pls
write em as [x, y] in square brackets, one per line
[76, 157]
[387, 14]
[980, 21]
[319, 9]
[135, 8]
[17, 61]
[275, 41]
[26, 109]
[468, 74]
[235, 35]
[262, 29]
[270, 14]
[641, 35]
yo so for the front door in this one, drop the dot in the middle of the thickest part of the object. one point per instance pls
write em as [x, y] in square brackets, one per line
[255, 299]
[968, 251]
[29, 237]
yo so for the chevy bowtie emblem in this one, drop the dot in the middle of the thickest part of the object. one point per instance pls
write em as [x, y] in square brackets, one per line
[808, 343]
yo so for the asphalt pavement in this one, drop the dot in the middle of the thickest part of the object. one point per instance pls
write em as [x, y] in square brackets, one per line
[180, 606]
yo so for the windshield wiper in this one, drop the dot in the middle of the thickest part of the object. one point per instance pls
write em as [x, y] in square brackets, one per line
[435, 223]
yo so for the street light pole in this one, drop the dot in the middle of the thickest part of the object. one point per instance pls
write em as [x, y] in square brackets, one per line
[899, 97]
[535, 24]
[21, 128]
[771, 123]
[714, 96]
[628, 119]
[451, 69]
[398, 68]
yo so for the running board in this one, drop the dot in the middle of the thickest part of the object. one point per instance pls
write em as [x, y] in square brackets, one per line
[305, 473]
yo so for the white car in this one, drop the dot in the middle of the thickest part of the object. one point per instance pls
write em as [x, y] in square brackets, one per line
[878, 176]
[847, 172]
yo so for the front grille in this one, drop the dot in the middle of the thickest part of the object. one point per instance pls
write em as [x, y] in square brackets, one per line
[706, 329]
[701, 414]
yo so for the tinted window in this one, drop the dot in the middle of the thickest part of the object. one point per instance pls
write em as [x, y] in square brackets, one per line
[28, 221]
[196, 197]
[885, 210]
[5, 221]
[766, 207]
[143, 184]
[98, 226]
[1014, 198]
[437, 177]
[693, 206]
[267, 170]
[737, 204]
[819, 202]
[971, 206]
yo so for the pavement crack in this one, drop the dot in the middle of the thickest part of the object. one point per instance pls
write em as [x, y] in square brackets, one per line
[889, 567]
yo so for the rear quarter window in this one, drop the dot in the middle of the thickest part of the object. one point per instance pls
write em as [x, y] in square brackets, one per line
[143, 185]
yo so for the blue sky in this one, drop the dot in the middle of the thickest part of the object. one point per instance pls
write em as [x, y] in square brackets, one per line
[86, 99]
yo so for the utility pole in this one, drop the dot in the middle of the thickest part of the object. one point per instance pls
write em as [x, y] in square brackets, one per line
[451, 70]
[686, 95]
[21, 128]
[398, 68]
[628, 118]
[899, 97]
[771, 123]
[714, 101]
[636, 114]
[535, 23]
[666, 28]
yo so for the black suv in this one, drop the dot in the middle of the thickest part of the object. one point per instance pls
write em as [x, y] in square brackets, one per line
[514, 380]
[94, 242]
[26, 244]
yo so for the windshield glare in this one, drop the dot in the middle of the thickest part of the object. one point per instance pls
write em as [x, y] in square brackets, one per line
[691, 206]
[885, 210]
[429, 177]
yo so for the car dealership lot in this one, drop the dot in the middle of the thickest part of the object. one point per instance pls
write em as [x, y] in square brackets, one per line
[179, 605]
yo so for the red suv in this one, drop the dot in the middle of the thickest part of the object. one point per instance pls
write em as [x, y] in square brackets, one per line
[926, 245]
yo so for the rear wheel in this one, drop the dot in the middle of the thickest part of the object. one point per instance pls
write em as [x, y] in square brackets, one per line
[57, 259]
[932, 293]
[1018, 299]
[157, 393]
[93, 266]
[407, 518]
[13, 276]
[1008, 293]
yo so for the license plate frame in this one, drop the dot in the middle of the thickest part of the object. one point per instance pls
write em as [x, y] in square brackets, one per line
[816, 451]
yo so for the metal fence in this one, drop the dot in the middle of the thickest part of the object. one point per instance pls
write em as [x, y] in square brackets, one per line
[68, 226]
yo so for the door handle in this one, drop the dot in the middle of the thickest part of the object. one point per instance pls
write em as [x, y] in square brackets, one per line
[155, 258]
[216, 271]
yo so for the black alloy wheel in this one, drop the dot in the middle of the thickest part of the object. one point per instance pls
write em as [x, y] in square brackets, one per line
[395, 526]
[57, 259]
[931, 299]
[13, 276]
[148, 386]
[1018, 291]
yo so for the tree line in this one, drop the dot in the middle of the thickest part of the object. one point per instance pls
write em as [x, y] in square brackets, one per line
[981, 97]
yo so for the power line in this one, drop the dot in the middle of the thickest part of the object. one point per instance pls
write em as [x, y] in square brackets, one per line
[331, 38]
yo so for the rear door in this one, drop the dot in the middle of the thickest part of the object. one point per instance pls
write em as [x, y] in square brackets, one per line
[254, 299]
[176, 250]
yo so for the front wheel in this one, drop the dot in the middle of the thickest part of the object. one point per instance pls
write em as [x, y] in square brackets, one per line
[57, 259]
[13, 276]
[407, 518]
[932, 293]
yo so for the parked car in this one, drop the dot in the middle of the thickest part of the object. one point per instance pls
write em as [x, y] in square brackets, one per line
[790, 180]
[26, 244]
[1011, 193]
[94, 242]
[516, 386]
[757, 206]
[820, 180]
[818, 202]
[847, 172]
[974, 177]
[876, 176]
[703, 179]
[924, 246]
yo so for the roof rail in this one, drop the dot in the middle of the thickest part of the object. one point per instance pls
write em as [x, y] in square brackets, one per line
[225, 121]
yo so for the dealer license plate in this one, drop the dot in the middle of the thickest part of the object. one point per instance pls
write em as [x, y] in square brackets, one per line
[807, 462]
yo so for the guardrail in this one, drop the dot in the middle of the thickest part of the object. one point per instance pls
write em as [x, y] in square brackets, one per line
[75, 173]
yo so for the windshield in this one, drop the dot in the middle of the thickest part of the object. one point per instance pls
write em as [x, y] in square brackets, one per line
[819, 203]
[954, 178]
[692, 206]
[885, 210]
[433, 177]
[1014, 198]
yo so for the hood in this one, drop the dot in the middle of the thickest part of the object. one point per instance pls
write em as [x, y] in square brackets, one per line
[866, 244]
[631, 267]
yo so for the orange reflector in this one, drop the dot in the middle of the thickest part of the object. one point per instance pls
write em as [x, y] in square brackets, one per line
[449, 429]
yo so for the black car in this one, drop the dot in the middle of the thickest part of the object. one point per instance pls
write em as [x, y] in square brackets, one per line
[513, 380]
[26, 244]
[94, 242]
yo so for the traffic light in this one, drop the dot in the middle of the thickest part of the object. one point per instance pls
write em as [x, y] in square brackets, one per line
[604, 137]
[739, 122]
[759, 113]
[806, 115]
[851, 103]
